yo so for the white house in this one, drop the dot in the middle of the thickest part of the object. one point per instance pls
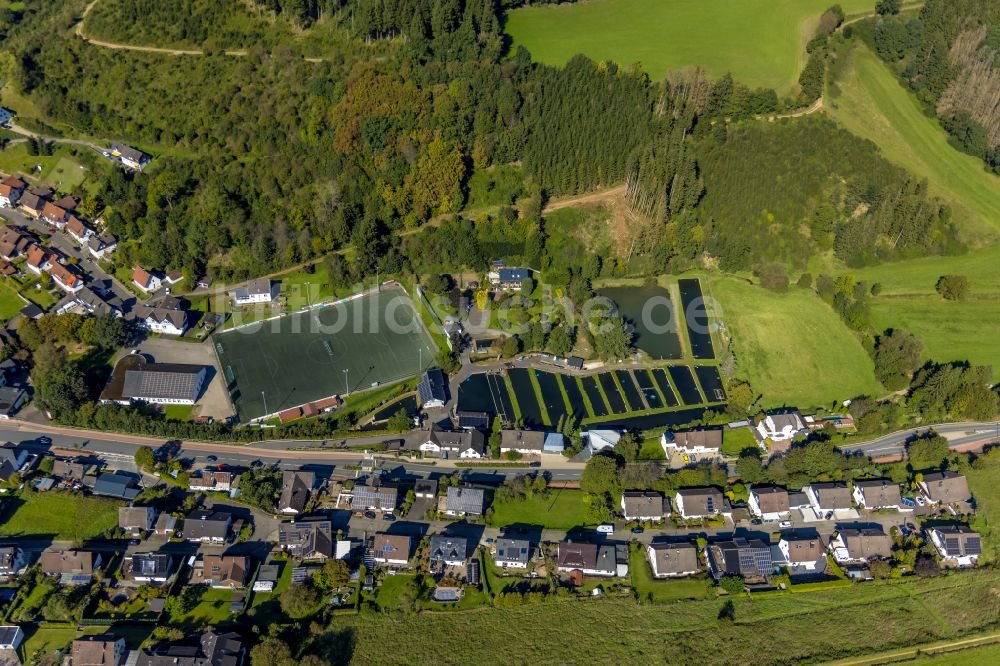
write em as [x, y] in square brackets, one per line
[256, 291]
[145, 280]
[673, 560]
[11, 189]
[598, 440]
[779, 427]
[769, 503]
[695, 444]
[467, 444]
[694, 503]
[874, 494]
[161, 320]
[644, 505]
[957, 544]
[11, 637]
[391, 549]
[829, 498]
[130, 157]
[100, 246]
[525, 442]
[802, 554]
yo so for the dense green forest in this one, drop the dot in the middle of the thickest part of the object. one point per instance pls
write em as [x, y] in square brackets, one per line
[267, 160]
[948, 55]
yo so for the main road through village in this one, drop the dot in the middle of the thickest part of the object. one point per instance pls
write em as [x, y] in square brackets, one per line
[120, 449]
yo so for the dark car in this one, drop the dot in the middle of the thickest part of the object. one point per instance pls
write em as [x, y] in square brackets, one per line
[212, 458]
[389, 517]
[370, 515]
[637, 530]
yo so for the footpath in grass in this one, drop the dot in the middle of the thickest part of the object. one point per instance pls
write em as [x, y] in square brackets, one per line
[556, 510]
[61, 515]
[761, 42]
[792, 347]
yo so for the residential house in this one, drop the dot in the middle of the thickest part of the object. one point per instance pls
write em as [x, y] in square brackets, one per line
[100, 650]
[55, 215]
[874, 494]
[74, 567]
[78, 230]
[11, 399]
[40, 259]
[87, 301]
[101, 245]
[307, 538]
[295, 488]
[590, 559]
[695, 444]
[512, 553]
[599, 440]
[375, 497]
[223, 571]
[68, 470]
[68, 203]
[525, 442]
[6, 115]
[207, 526]
[161, 320]
[211, 481]
[432, 389]
[117, 485]
[465, 501]
[826, 499]
[554, 443]
[392, 549]
[11, 638]
[673, 560]
[856, 545]
[448, 551]
[255, 291]
[694, 503]
[153, 568]
[212, 649]
[14, 242]
[13, 459]
[748, 558]
[945, 488]
[425, 488]
[11, 189]
[643, 505]
[455, 444]
[65, 279]
[33, 201]
[803, 554]
[136, 520]
[145, 280]
[958, 545]
[130, 157]
[13, 560]
[509, 279]
[779, 428]
[769, 503]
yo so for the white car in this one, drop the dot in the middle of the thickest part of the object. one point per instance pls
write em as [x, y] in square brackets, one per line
[785, 524]
[606, 529]
[921, 501]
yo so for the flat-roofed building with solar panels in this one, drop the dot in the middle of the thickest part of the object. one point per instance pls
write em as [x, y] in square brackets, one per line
[137, 380]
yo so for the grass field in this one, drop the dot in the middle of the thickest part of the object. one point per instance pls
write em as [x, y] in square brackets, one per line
[983, 482]
[792, 347]
[979, 656]
[559, 510]
[10, 302]
[736, 440]
[212, 610]
[769, 629]
[61, 515]
[870, 101]
[760, 41]
[303, 357]
[59, 169]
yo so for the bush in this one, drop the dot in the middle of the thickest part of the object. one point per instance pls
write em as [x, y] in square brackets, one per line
[953, 287]
[774, 277]
[732, 584]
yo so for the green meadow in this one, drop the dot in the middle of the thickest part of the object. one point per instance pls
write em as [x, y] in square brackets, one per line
[761, 42]
[792, 347]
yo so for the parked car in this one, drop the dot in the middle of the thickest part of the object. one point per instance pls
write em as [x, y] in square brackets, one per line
[637, 530]
[606, 528]
[389, 517]
[370, 515]
[212, 459]
[785, 524]
[921, 501]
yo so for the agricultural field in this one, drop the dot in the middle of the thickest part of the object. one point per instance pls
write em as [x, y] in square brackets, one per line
[770, 628]
[68, 516]
[761, 42]
[557, 510]
[792, 347]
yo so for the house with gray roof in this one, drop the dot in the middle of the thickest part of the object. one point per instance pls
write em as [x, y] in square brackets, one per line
[432, 389]
[117, 485]
[945, 488]
[454, 443]
[958, 545]
[381, 497]
[857, 545]
[673, 560]
[207, 526]
[295, 488]
[749, 559]
[465, 501]
[874, 494]
[643, 505]
[309, 538]
[448, 551]
[512, 553]
[211, 649]
[694, 503]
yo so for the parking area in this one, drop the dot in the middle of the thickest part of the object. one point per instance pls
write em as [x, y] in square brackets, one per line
[214, 401]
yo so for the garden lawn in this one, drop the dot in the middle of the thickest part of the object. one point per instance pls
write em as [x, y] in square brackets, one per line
[10, 302]
[761, 42]
[61, 515]
[983, 482]
[66, 175]
[557, 510]
[178, 412]
[871, 102]
[651, 449]
[212, 609]
[792, 347]
[661, 591]
[950, 330]
[770, 628]
[735, 440]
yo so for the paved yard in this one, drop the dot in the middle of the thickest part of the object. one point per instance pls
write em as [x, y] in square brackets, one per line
[214, 401]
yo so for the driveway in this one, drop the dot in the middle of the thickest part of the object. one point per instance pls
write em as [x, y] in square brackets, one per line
[214, 401]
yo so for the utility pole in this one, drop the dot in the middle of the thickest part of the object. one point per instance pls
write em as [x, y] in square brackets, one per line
[265, 402]
[346, 388]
